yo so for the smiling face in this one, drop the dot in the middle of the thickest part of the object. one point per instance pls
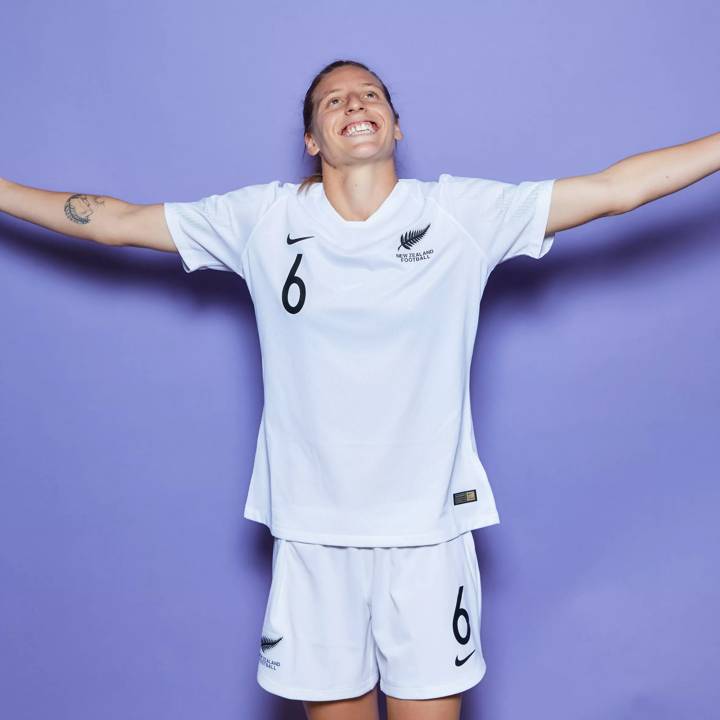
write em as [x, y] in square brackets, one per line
[343, 100]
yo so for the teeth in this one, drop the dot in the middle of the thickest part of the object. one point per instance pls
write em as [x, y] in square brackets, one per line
[362, 128]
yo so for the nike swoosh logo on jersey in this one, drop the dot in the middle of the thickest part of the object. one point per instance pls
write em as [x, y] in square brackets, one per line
[290, 240]
[458, 663]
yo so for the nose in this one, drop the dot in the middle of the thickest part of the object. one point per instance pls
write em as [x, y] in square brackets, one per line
[354, 101]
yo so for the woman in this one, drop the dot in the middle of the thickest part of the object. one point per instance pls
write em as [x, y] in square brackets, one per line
[366, 290]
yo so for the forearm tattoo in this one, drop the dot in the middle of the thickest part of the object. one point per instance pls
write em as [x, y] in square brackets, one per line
[79, 208]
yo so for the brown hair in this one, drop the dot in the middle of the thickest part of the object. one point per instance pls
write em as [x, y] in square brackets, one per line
[308, 108]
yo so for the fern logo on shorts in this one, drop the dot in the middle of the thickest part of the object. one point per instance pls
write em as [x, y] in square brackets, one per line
[266, 643]
[408, 240]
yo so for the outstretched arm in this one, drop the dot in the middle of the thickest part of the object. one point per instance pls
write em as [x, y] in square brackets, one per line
[100, 218]
[631, 182]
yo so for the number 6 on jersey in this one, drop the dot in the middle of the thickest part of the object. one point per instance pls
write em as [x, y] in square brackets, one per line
[290, 280]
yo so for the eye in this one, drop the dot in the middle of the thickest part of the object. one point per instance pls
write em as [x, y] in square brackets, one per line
[369, 92]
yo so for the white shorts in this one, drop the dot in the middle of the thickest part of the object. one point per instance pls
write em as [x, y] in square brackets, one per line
[338, 619]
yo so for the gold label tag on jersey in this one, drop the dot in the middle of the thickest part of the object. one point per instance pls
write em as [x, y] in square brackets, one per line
[464, 496]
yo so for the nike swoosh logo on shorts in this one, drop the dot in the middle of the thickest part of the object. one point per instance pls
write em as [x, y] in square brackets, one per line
[458, 663]
[290, 240]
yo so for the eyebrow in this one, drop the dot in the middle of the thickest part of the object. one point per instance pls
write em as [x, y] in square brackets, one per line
[336, 89]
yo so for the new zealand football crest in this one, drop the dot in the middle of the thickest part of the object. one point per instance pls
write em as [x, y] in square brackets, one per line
[268, 643]
[408, 241]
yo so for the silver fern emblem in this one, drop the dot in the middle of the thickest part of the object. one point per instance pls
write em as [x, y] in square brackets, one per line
[266, 643]
[408, 239]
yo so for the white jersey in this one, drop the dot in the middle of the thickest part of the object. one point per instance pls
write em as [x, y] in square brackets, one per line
[366, 332]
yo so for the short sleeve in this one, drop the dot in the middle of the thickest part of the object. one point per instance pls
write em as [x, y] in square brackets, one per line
[505, 219]
[213, 232]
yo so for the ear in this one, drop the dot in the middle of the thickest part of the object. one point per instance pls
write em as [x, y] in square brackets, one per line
[398, 133]
[312, 148]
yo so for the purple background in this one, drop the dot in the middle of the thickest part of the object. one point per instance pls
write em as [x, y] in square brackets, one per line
[131, 393]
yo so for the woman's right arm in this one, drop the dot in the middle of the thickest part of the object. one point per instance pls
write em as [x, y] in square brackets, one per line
[100, 218]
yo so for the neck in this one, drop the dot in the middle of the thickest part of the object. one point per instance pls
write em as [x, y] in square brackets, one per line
[356, 192]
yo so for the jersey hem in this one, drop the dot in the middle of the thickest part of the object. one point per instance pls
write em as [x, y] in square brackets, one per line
[406, 540]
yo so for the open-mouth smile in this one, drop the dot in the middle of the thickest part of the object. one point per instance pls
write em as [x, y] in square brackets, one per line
[360, 127]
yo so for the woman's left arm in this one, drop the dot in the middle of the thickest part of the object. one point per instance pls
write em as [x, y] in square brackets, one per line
[631, 182]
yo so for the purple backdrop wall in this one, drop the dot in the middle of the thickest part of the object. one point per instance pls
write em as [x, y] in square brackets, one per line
[131, 392]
